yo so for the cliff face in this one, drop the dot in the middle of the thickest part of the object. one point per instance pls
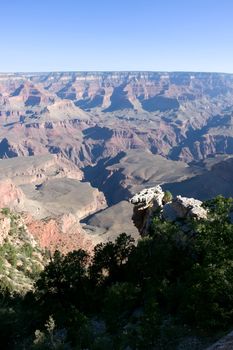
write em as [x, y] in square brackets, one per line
[87, 116]
[118, 131]
[63, 233]
[46, 185]
[49, 191]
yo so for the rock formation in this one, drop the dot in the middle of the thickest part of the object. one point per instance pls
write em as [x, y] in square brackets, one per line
[182, 207]
[89, 116]
[149, 202]
[118, 131]
[10, 195]
[150, 197]
[145, 204]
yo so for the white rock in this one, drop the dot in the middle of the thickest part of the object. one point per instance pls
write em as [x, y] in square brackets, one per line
[183, 207]
[148, 197]
[149, 200]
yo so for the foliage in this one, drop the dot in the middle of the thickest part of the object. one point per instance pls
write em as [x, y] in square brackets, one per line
[49, 339]
[167, 197]
[27, 250]
[109, 260]
[120, 301]
[20, 261]
[173, 287]
[9, 251]
[5, 211]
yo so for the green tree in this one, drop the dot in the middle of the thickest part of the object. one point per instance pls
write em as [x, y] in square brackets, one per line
[167, 197]
[110, 259]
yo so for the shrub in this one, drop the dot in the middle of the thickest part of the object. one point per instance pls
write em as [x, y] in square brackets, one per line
[5, 211]
[27, 250]
[167, 197]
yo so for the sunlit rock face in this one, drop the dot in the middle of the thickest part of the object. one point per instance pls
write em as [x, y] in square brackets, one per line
[148, 197]
[89, 115]
[149, 202]
[182, 207]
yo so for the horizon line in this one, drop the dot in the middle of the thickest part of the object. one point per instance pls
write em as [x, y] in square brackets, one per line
[114, 71]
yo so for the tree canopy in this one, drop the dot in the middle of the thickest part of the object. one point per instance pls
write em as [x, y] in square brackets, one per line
[173, 285]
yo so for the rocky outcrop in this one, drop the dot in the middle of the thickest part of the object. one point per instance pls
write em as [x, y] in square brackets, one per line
[150, 202]
[150, 197]
[10, 194]
[182, 208]
[145, 204]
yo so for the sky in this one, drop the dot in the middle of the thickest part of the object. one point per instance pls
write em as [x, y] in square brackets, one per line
[114, 35]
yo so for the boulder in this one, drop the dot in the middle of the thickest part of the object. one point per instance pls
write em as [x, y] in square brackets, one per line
[183, 207]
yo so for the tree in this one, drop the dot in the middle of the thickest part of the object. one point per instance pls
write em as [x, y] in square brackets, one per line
[110, 259]
[65, 280]
[167, 197]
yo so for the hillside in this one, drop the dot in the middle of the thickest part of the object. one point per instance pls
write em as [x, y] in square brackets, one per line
[21, 258]
[172, 289]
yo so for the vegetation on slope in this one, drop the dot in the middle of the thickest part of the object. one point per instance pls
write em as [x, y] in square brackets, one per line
[173, 290]
[21, 260]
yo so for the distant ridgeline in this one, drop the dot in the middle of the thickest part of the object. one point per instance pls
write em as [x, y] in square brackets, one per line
[173, 289]
[181, 115]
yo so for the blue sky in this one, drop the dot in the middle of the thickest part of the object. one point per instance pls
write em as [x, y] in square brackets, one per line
[158, 35]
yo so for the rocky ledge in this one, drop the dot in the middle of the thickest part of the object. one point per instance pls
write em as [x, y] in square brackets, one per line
[153, 200]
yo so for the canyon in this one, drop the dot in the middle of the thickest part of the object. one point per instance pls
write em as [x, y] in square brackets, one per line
[76, 146]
